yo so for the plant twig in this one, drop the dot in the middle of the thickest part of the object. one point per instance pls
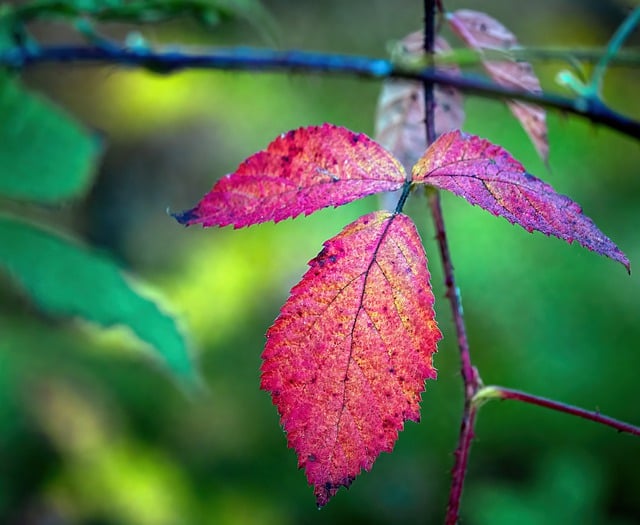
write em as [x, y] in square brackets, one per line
[461, 454]
[500, 392]
[267, 60]
[428, 45]
[469, 374]
[589, 55]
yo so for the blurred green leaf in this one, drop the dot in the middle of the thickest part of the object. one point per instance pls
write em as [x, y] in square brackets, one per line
[45, 156]
[6, 24]
[66, 279]
[207, 12]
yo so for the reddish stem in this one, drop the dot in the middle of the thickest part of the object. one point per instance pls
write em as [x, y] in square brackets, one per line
[461, 460]
[499, 392]
[469, 374]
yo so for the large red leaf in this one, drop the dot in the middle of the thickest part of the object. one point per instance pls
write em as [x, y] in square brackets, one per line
[300, 172]
[480, 31]
[347, 358]
[488, 176]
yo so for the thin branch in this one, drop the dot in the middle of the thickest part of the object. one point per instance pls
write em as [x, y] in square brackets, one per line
[469, 374]
[266, 60]
[500, 392]
[461, 455]
[453, 293]
[428, 45]
[568, 55]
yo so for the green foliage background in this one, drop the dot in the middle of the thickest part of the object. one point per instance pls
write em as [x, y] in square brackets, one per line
[92, 431]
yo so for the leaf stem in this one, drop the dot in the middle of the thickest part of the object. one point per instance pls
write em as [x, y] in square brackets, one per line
[500, 392]
[406, 190]
[268, 60]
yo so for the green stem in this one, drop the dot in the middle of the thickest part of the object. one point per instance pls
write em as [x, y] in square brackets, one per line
[406, 189]
[573, 56]
[618, 38]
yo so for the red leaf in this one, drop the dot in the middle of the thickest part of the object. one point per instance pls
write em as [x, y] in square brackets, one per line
[488, 176]
[400, 115]
[301, 171]
[347, 357]
[479, 31]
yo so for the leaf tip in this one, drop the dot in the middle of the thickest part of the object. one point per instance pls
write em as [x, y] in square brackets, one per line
[325, 491]
[625, 262]
[187, 218]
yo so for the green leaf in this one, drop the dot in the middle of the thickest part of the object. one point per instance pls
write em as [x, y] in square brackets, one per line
[207, 12]
[6, 25]
[66, 279]
[45, 156]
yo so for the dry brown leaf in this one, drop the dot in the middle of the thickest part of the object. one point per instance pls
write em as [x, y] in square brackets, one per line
[400, 116]
[479, 31]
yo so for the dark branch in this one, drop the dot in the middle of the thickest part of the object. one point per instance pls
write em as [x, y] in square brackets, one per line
[265, 60]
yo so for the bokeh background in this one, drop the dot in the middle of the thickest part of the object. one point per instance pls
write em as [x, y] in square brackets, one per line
[94, 431]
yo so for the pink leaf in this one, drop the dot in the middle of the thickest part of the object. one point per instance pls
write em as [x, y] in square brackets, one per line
[347, 357]
[400, 116]
[488, 176]
[301, 171]
[479, 31]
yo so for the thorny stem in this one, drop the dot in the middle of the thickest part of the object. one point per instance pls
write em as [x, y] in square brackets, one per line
[469, 374]
[266, 60]
[500, 392]
[461, 456]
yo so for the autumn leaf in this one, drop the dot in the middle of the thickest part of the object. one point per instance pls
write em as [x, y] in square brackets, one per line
[480, 32]
[346, 359]
[488, 176]
[400, 115]
[301, 171]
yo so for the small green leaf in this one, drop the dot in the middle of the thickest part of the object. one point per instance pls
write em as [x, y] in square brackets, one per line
[45, 156]
[66, 279]
[6, 25]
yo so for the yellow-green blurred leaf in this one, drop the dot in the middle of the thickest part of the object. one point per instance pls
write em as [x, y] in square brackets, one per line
[66, 279]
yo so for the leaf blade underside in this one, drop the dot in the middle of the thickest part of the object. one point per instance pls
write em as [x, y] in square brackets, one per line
[486, 175]
[480, 32]
[301, 171]
[346, 359]
[400, 112]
